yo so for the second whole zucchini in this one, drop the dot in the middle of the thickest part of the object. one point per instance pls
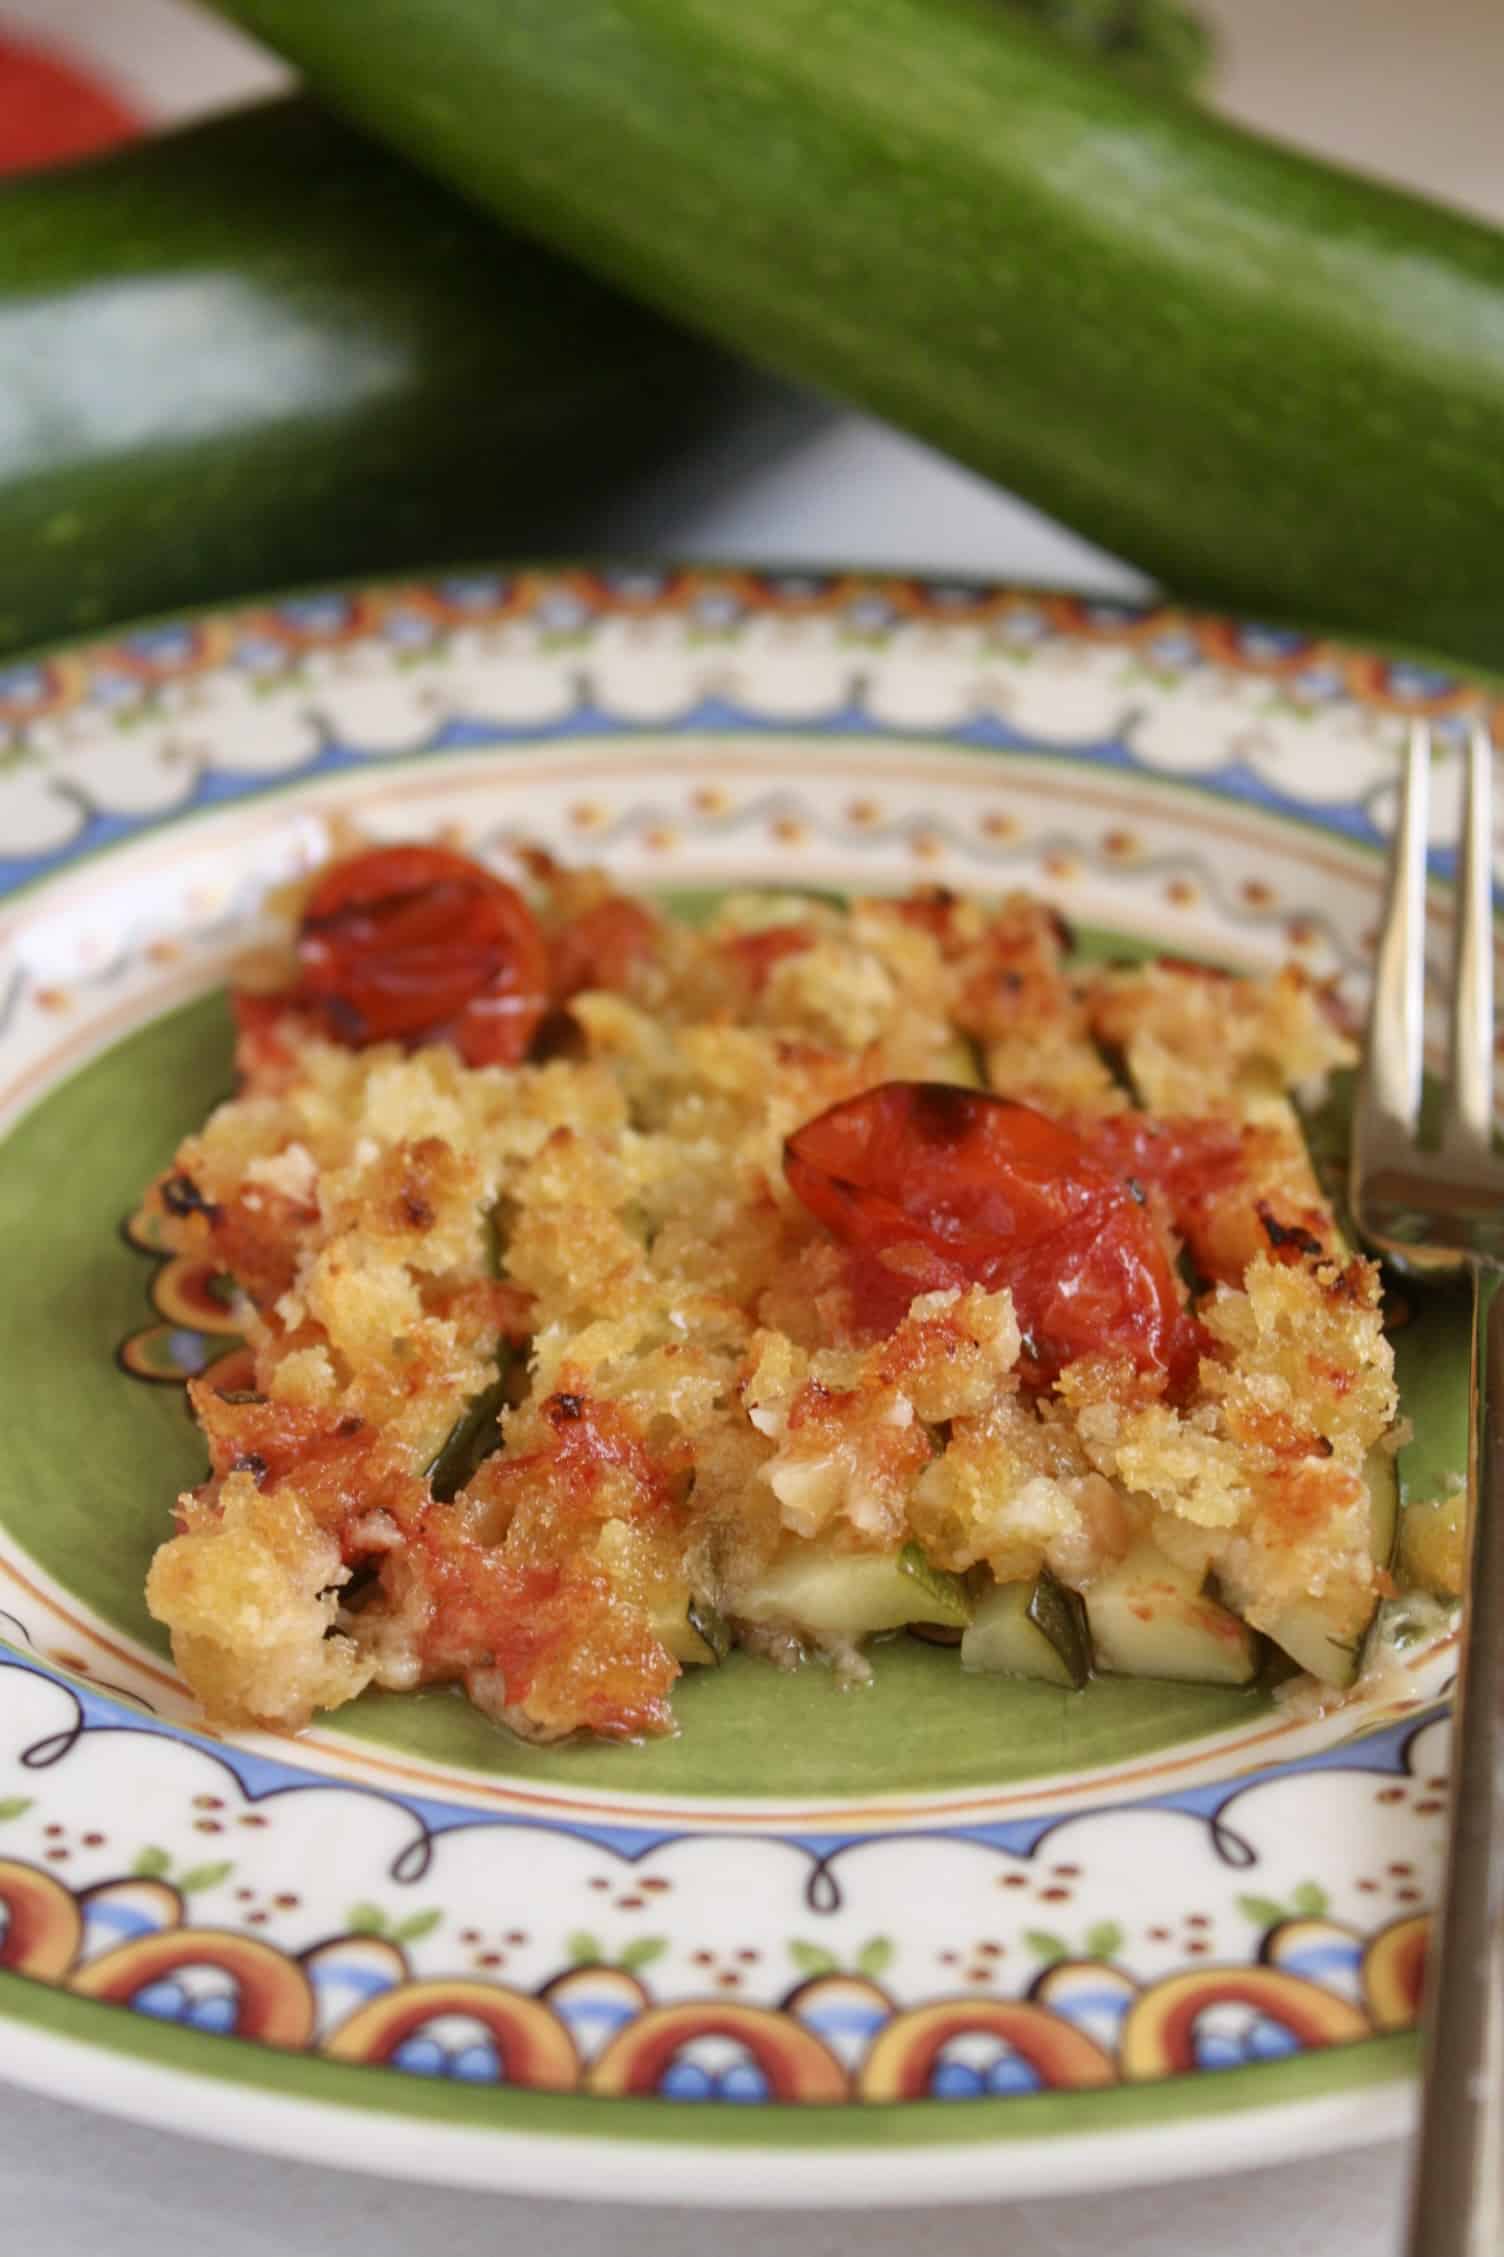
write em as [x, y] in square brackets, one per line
[1270, 383]
[264, 351]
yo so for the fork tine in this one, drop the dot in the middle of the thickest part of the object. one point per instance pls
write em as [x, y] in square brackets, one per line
[1467, 1130]
[1389, 1095]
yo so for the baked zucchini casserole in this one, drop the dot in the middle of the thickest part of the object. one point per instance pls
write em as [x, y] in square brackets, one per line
[620, 1290]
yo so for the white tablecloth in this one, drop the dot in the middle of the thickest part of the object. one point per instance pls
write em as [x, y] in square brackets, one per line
[1380, 82]
[72, 2184]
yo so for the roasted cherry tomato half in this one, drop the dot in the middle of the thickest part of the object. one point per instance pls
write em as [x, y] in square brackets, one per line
[931, 1186]
[418, 944]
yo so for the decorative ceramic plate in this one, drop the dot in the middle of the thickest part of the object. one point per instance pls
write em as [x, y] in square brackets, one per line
[934, 1939]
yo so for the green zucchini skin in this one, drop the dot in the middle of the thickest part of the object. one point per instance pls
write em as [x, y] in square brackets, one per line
[264, 351]
[1271, 384]
[1154, 41]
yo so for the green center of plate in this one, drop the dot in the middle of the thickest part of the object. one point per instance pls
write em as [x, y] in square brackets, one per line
[93, 1459]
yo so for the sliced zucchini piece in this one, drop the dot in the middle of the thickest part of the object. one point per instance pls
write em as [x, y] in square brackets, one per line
[943, 1595]
[1432, 1544]
[1415, 1618]
[694, 1633]
[643, 1571]
[1382, 1475]
[854, 1594]
[1033, 1628]
[1149, 1618]
[1326, 1647]
[1323, 1649]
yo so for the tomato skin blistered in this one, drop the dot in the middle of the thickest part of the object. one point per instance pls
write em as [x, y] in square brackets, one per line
[418, 944]
[931, 1186]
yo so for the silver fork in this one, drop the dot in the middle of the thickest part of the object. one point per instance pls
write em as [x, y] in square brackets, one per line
[1443, 1210]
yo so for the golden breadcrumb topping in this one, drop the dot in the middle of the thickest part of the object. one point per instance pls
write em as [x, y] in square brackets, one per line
[558, 1375]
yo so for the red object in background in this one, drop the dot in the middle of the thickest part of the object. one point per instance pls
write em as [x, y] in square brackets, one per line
[52, 109]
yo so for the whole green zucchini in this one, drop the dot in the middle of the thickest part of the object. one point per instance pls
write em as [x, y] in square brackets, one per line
[264, 351]
[1268, 383]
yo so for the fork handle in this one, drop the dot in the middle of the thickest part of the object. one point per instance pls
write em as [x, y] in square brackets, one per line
[1457, 2194]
